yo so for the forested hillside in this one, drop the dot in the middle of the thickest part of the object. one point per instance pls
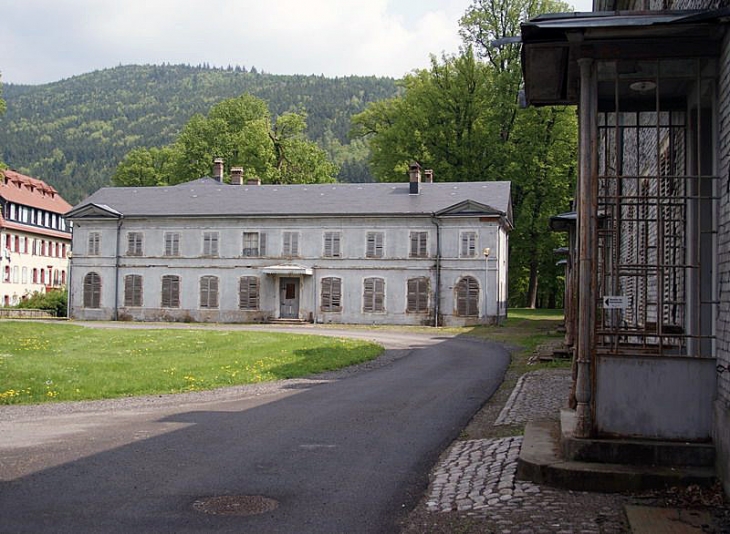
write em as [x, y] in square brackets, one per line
[74, 132]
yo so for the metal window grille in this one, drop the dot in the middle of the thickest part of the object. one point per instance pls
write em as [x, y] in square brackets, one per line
[254, 244]
[656, 208]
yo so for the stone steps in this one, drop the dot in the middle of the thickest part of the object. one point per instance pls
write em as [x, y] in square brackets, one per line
[541, 461]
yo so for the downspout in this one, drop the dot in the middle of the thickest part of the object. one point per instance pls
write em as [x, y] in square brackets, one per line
[437, 290]
[70, 258]
[314, 295]
[498, 283]
[115, 316]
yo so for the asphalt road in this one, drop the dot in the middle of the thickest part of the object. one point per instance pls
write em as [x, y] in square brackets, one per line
[348, 455]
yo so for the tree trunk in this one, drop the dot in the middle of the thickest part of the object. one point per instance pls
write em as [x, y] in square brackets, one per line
[532, 287]
[552, 300]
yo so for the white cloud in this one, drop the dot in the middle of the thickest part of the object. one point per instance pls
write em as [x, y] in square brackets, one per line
[45, 40]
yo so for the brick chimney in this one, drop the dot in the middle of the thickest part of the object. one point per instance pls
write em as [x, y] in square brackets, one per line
[218, 170]
[254, 181]
[236, 175]
[414, 172]
[428, 176]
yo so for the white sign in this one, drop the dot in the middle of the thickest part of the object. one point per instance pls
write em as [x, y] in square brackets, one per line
[615, 302]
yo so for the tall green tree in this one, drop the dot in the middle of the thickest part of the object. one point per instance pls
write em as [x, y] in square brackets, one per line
[463, 119]
[144, 167]
[538, 146]
[242, 132]
[440, 120]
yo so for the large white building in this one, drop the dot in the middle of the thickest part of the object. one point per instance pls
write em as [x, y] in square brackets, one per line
[34, 237]
[398, 253]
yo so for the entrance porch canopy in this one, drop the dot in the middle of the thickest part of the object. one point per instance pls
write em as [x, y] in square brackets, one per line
[553, 43]
[288, 270]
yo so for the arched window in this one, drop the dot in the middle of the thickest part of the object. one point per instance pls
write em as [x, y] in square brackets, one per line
[467, 297]
[92, 290]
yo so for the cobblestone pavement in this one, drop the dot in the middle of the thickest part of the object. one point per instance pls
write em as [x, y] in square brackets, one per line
[478, 477]
[537, 395]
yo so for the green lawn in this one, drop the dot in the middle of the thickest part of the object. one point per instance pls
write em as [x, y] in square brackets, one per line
[41, 362]
[524, 328]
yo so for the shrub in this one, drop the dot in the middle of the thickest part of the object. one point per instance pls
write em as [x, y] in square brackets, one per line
[53, 301]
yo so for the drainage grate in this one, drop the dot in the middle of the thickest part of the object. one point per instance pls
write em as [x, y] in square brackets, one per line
[235, 505]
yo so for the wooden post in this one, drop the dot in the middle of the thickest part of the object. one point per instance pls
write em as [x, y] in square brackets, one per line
[587, 208]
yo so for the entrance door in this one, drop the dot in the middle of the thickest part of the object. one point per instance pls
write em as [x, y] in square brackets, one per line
[289, 298]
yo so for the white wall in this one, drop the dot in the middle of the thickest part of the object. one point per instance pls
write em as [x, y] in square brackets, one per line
[353, 267]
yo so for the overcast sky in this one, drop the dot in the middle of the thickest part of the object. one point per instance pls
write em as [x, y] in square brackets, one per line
[48, 40]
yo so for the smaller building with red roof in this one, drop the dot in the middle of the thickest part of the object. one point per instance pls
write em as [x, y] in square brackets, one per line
[34, 237]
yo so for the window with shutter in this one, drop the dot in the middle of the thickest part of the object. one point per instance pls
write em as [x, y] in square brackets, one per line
[134, 244]
[248, 293]
[209, 292]
[210, 243]
[374, 245]
[291, 244]
[172, 244]
[418, 289]
[419, 245]
[92, 290]
[467, 297]
[373, 297]
[133, 290]
[468, 245]
[332, 245]
[331, 294]
[170, 291]
[94, 244]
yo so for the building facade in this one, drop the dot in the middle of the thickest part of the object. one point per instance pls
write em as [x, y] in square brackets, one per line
[34, 237]
[410, 253]
[652, 292]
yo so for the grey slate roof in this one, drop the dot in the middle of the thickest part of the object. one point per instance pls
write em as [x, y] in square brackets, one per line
[207, 197]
